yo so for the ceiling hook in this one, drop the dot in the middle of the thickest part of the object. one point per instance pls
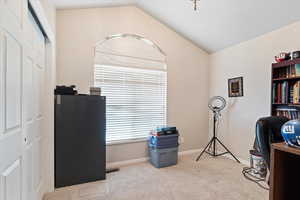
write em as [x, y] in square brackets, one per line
[195, 4]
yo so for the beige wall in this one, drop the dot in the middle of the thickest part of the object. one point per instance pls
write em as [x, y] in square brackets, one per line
[252, 60]
[78, 31]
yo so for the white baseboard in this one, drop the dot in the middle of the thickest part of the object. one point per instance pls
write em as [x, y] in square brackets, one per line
[126, 162]
[244, 162]
[189, 152]
[182, 153]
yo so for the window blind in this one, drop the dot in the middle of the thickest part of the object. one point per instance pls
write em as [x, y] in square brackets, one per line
[136, 100]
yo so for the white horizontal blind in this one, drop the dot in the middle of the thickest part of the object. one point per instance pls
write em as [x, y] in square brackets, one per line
[136, 100]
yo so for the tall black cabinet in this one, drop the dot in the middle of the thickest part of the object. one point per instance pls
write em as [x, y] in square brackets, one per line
[80, 152]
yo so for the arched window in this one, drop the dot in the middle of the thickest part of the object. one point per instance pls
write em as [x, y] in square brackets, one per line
[132, 74]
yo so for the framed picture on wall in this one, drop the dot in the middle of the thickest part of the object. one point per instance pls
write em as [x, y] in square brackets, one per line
[235, 87]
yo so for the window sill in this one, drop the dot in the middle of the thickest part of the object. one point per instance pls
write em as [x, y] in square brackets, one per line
[119, 142]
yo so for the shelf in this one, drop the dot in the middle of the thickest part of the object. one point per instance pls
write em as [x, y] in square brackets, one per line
[286, 104]
[286, 63]
[286, 79]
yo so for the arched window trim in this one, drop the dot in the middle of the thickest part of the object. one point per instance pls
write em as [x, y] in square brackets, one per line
[135, 36]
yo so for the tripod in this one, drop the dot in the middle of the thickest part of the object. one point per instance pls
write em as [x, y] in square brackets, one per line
[214, 140]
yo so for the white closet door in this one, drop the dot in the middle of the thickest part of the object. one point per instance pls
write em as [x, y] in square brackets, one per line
[33, 94]
[22, 68]
[11, 62]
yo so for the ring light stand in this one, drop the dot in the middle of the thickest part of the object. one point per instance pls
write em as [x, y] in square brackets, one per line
[214, 140]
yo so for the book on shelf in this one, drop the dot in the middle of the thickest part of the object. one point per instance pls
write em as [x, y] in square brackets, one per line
[296, 92]
[291, 94]
[286, 92]
[289, 113]
[287, 72]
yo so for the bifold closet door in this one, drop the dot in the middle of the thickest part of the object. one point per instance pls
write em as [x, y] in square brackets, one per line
[22, 71]
[33, 94]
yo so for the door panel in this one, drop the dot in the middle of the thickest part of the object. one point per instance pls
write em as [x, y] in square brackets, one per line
[22, 71]
[37, 163]
[41, 92]
[15, 8]
[29, 97]
[28, 173]
[27, 89]
[2, 114]
[10, 119]
[10, 149]
[12, 10]
[11, 180]
[12, 83]
[39, 89]
[10, 123]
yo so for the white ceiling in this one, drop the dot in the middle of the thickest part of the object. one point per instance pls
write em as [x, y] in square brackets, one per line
[217, 24]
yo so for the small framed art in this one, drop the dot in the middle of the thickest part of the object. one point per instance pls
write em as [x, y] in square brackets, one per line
[235, 87]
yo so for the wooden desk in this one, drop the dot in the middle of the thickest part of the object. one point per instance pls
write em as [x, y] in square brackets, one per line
[285, 172]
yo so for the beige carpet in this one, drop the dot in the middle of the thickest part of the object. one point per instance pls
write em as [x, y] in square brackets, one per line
[208, 179]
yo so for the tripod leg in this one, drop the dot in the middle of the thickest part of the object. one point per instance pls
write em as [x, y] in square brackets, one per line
[228, 150]
[204, 149]
[214, 153]
[209, 147]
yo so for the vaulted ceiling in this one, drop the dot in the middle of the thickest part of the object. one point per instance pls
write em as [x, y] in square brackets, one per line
[216, 24]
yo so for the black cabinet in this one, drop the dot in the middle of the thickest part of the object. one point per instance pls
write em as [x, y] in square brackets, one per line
[80, 147]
